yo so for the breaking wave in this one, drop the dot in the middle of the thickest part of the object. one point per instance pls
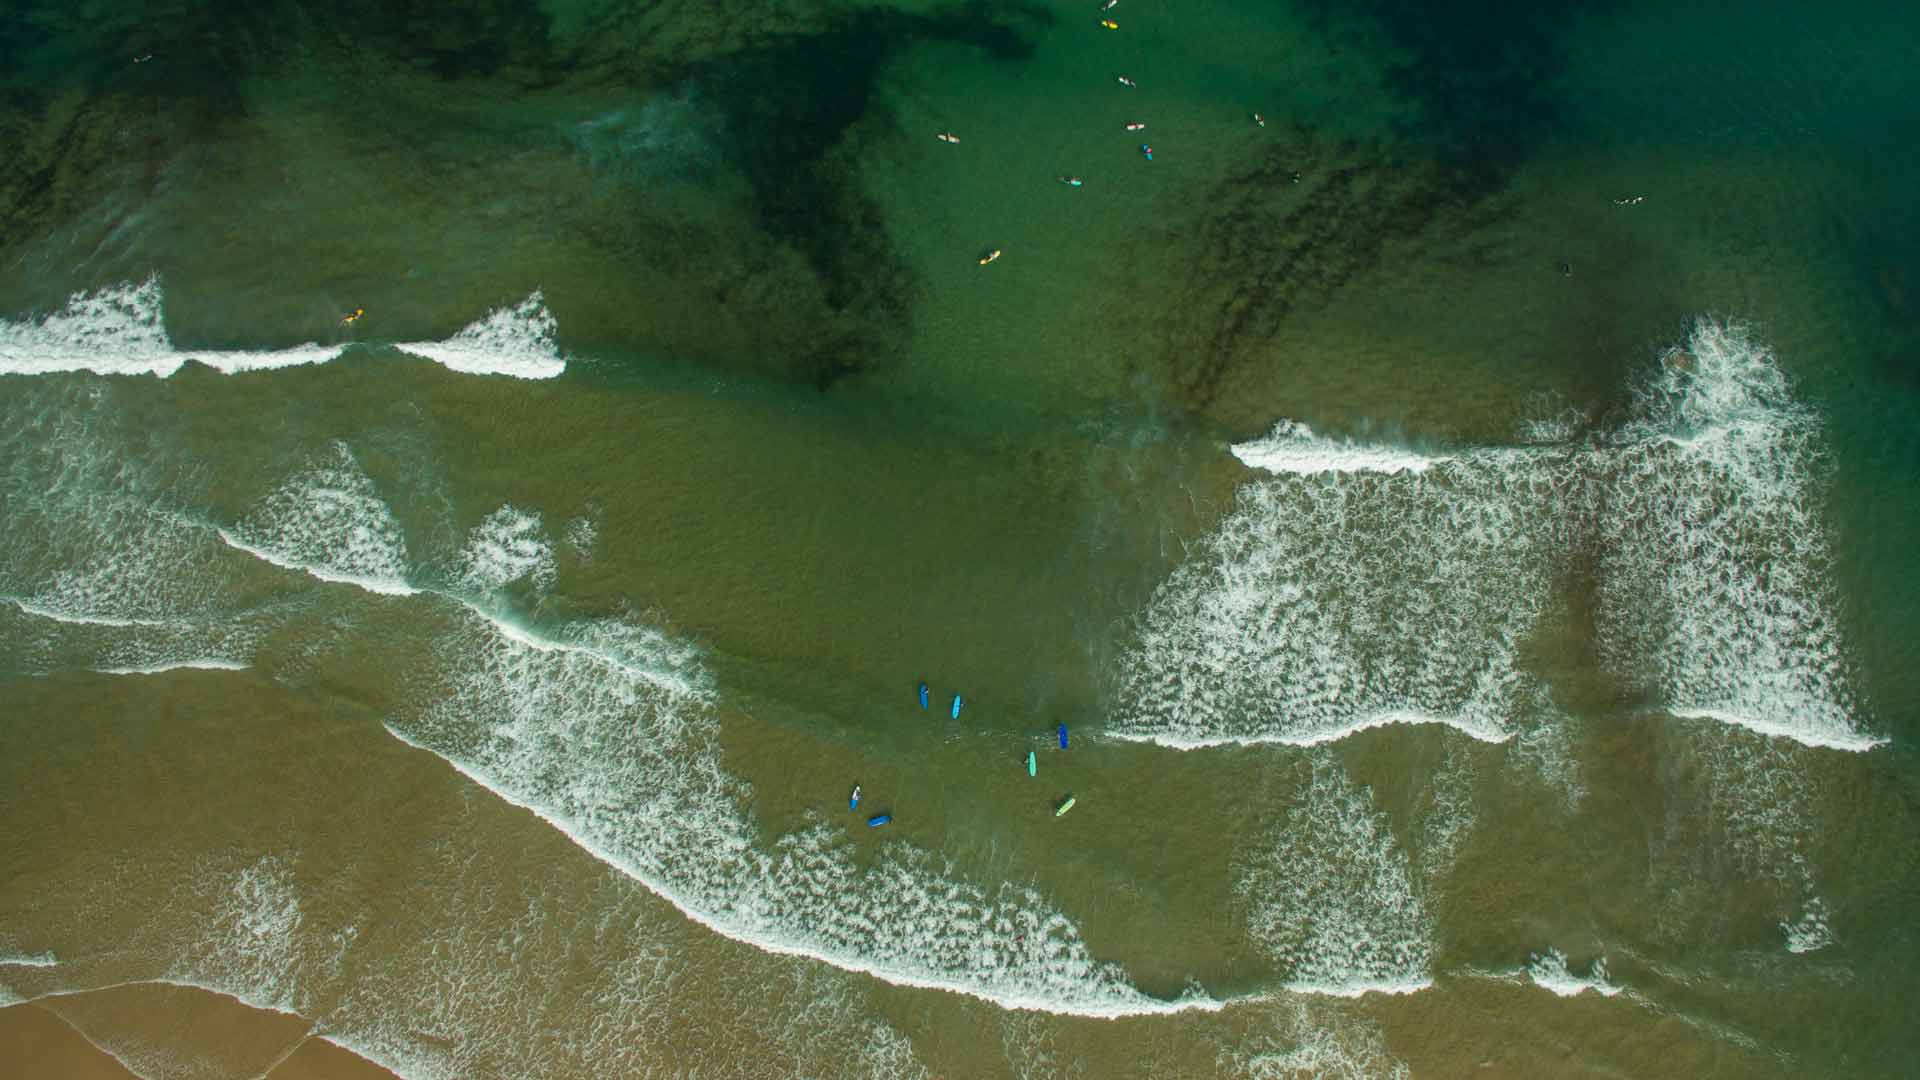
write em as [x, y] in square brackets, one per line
[1358, 586]
[120, 330]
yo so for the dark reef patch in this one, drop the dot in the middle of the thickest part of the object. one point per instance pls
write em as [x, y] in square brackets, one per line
[796, 109]
[1482, 76]
[1271, 247]
[1479, 81]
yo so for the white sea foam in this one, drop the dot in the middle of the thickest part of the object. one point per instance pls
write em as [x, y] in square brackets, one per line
[1367, 585]
[248, 944]
[511, 545]
[1328, 604]
[1714, 561]
[105, 566]
[516, 341]
[329, 521]
[32, 960]
[120, 330]
[1810, 931]
[626, 765]
[1549, 972]
[1314, 1041]
[203, 664]
[1331, 896]
[1292, 447]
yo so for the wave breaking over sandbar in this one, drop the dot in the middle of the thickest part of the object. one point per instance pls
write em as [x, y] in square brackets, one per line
[1331, 895]
[1714, 561]
[1355, 586]
[121, 330]
[1292, 447]
[1330, 603]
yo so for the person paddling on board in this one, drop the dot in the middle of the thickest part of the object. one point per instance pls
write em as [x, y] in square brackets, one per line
[1070, 181]
[352, 317]
[1137, 125]
[1124, 81]
[923, 695]
[948, 137]
[1109, 24]
[1109, 5]
[1258, 119]
[1147, 149]
[984, 260]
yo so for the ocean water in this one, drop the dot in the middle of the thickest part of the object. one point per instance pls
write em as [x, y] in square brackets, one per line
[1462, 523]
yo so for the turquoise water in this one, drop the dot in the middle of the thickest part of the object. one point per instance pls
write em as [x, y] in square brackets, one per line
[1462, 522]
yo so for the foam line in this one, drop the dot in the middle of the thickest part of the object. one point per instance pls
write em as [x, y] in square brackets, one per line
[209, 664]
[1481, 732]
[1143, 1006]
[32, 960]
[1293, 448]
[70, 618]
[1849, 741]
[520, 635]
[380, 586]
[1361, 987]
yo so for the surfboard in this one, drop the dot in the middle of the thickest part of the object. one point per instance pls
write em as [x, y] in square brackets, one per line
[1064, 807]
[1033, 764]
[923, 695]
[878, 820]
[956, 706]
[1063, 736]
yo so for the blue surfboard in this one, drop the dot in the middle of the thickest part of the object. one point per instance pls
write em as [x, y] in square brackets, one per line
[923, 695]
[878, 820]
[956, 706]
[1063, 736]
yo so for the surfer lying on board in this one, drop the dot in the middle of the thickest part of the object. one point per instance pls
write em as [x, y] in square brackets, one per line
[352, 317]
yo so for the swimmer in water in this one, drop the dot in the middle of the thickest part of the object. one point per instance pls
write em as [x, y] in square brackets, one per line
[989, 256]
[352, 317]
[1147, 149]
[1258, 119]
[1109, 24]
[1137, 125]
[1630, 200]
[1124, 81]
[948, 137]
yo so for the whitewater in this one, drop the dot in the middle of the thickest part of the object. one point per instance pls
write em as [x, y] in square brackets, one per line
[120, 330]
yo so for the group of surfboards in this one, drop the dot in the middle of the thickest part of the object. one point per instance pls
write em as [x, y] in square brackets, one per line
[1033, 764]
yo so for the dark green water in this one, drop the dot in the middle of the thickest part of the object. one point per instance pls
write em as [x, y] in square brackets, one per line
[488, 725]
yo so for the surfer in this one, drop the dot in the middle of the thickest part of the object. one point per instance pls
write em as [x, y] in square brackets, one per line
[1137, 125]
[1147, 149]
[948, 137]
[1109, 24]
[352, 317]
[1258, 119]
[1070, 181]
[1630, 200]
[1109, 5]
[1124, 81]
[984, 260]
